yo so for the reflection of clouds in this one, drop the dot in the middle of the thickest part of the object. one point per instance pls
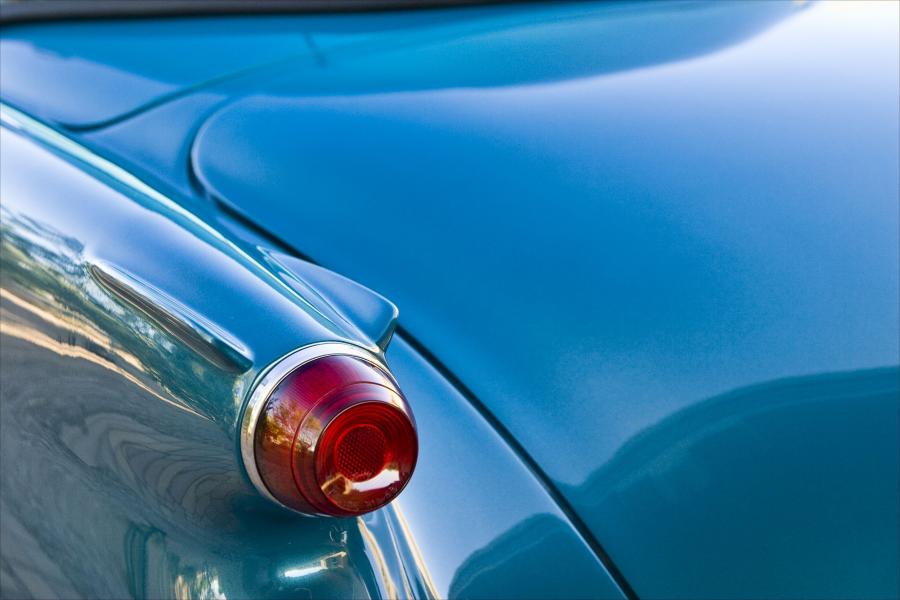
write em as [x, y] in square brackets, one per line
[90, 451]
[42, 242]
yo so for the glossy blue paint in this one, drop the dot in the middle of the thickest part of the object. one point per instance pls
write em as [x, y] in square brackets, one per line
[120, 470]
[368, 314]
[597, 259]
[658, 242]
[105, 73]
[108, 72]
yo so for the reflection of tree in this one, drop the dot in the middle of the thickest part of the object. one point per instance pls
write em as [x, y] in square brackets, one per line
[46, 269]
[38, 257]
[282, 420]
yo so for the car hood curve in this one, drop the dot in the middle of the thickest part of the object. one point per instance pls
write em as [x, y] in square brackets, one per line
[674, 281]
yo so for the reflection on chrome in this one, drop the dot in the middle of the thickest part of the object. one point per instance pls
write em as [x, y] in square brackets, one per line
[204, 337]
[421, 568]
[329, 561]
[376, 555]
[385, 478]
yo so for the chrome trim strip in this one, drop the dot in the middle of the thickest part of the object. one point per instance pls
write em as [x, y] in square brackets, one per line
[193, 330]
[267, 383]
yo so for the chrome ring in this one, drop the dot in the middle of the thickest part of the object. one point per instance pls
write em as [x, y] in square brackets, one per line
[274, 375]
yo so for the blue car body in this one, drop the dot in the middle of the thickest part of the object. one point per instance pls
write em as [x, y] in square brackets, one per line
[645, 257]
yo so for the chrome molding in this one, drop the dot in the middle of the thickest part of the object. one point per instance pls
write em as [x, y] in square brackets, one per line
[205, 338]
[267, 383]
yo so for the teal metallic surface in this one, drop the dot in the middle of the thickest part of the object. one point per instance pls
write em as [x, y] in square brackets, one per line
[121, 476]
[657, 244]
[597, 259]
[106, 73]
[139, 64]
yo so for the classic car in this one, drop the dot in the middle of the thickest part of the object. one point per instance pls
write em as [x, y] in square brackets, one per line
[395, 299]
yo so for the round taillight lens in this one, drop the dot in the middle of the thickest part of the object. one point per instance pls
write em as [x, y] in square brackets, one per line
[330, 435]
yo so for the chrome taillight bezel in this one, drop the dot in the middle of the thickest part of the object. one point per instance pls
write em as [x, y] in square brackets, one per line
[270, 381]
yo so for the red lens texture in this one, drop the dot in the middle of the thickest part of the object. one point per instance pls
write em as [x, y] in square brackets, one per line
[360, 452]
[336, 437]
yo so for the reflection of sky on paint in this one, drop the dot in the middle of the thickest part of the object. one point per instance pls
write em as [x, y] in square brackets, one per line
[828, 74]
[131, 65]
[441, 415]
[469, 488]
[598, 253]
[741, 83]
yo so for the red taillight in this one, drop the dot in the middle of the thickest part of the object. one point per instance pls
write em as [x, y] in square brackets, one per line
[330, 433]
